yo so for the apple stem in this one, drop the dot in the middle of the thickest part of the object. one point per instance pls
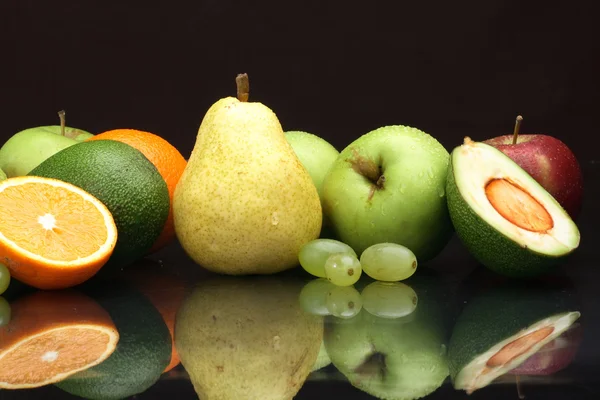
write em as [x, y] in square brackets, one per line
[517, 127]
[243, 87]
[61, 115]
[519, 392]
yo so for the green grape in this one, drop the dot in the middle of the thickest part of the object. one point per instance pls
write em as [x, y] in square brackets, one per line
[343, 269]
[313, 296]
[389, 262]
[344, 302]
[4, 312]
[4, 278]
[312, 255]
[389, 299]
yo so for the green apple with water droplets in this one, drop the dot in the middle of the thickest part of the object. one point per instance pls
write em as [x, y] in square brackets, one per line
[388, 186]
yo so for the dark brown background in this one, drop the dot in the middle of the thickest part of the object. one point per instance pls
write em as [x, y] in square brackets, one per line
[335, 69]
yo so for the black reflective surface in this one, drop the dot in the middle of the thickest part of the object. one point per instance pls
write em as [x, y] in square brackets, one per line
[262, 337]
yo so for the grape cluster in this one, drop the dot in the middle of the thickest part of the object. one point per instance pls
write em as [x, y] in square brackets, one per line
[339, 263]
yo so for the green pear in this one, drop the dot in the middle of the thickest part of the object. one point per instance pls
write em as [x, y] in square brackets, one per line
[389, 186]
[399, 358]
[244, 204]
[247, 338]
[28, 148]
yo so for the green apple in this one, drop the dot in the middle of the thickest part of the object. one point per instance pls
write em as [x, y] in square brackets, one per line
[2, 175]
[392, 358]
[389, 186]
[26, 149]
[315, 153]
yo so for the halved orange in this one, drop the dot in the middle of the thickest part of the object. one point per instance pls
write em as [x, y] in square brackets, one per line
[51, 336]
[53, 235]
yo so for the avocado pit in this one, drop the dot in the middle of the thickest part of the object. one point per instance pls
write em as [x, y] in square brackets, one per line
[517, 206]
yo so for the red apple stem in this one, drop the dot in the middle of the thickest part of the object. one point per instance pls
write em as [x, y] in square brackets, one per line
[519, 392]
[243, 87]
[61, 115]
[517, 127]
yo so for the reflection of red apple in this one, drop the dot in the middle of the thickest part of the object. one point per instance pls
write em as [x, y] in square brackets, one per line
[554, 356]
[549, 161]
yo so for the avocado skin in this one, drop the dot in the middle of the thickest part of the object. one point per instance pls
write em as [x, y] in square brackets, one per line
[490, 247]
[500, 313]
[143, 351]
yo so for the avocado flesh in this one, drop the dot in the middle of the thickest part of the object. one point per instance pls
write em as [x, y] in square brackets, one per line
[492, 239]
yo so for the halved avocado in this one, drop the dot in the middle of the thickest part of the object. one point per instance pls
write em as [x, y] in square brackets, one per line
[500, 329]
[506, 220]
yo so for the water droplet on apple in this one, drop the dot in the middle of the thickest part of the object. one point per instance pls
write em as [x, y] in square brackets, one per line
[421, 174]
[430, 172]
[274, 218]
[441, 191]
[402, 187]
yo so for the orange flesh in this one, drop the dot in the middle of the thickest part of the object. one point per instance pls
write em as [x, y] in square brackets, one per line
[517, 206]
[78, 227]
[56, 352]
[519, 347]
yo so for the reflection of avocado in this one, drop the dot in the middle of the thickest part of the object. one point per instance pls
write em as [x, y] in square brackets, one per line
[392, 358]
[507, 220]
[143, 351]
[247, 338]
[498, 330]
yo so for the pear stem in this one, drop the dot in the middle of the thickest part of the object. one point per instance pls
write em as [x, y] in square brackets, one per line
[516, 130]
[61, 115]
[243, 87]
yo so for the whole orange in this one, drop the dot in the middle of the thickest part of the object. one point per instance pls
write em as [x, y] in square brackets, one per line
[166, 158]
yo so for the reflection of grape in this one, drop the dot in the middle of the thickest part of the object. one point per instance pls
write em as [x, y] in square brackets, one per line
[313, 296]
[388, 262]
[4, 311]
[4, 278]
[313, 254]
[343, 269]
[344, 301]
[389, 299]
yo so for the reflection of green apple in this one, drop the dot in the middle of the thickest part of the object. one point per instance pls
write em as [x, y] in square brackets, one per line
[2, 175]
[391, 358]
[323, 359]
[26, 149]
[388, 186]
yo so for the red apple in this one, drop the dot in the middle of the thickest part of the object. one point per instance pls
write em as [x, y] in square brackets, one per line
[549, 161]
[554, 356]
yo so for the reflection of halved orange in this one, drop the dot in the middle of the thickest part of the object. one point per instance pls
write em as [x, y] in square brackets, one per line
[166, 158]
[53, 235]
[52, 335]
[166, 294]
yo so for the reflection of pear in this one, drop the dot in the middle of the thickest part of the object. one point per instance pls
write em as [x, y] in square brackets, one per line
[392, 358]
[247, 338]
